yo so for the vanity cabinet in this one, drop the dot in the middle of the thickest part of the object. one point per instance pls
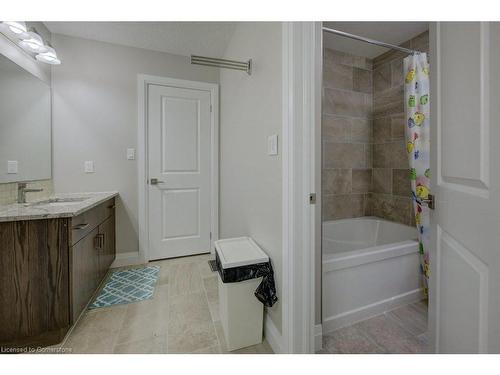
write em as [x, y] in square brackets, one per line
[49, 271]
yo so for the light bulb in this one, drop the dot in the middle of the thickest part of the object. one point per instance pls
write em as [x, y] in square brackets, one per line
[18, 28]
[33, 43]
[49, 57]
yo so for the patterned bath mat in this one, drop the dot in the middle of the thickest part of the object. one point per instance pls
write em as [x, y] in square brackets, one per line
[126, 286]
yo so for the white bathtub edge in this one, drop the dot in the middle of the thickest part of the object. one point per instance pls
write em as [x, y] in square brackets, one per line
[356, 258]
[350, 317]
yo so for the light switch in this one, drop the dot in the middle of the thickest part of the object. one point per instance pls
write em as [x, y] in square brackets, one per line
[89, 166]
[130, 153]
[272, 144]
[12, 166]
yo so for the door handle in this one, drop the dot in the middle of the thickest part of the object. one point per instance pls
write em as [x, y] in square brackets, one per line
[430, 201]
[155, 181]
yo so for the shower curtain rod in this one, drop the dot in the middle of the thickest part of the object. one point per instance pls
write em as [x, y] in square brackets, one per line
[368, 40]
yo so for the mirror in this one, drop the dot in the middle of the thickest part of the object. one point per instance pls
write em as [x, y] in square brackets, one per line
[25, 125]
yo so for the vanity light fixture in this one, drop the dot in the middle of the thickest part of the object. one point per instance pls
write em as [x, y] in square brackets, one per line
[33, 42]
[49, 57]
[18, 28]
[30, 41]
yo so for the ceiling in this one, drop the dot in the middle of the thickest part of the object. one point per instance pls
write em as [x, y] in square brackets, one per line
[180, 38]
[389, 32]
[212, 38]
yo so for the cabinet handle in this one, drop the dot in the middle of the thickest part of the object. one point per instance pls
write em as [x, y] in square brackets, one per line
[99, 241]
[112, 206]
[80, 226]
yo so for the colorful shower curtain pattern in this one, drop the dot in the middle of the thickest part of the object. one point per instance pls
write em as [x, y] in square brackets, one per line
[416, 70]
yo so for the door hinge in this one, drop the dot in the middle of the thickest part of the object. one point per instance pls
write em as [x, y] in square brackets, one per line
[210, 236]
[312, 198]
[210, 107]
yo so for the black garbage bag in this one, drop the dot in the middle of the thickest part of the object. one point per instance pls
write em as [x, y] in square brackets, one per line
[266, 291]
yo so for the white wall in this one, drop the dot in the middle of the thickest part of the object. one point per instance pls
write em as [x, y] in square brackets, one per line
[250, 180]
[95, 118]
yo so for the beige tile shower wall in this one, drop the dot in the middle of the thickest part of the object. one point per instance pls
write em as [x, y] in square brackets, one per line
[390, 196]
[347, 135]
[8, 192]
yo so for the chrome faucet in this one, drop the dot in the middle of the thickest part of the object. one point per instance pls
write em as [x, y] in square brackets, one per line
[22, 190]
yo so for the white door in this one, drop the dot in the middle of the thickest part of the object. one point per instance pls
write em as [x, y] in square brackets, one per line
[465, 162]
[179, 148]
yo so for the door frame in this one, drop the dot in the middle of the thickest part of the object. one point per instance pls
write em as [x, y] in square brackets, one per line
[143, 80]
[301, 74]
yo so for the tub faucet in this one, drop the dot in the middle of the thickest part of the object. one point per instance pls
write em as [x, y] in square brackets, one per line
[22, 190]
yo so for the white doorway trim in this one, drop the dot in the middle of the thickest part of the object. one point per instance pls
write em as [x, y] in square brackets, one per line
[142, 153]
[301, 121]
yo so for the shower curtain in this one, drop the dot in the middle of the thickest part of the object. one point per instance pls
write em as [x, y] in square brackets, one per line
[416, 71]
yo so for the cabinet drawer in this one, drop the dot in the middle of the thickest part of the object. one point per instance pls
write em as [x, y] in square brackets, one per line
[84, 223]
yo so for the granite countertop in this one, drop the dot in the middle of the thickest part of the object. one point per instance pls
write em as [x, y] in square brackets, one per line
[40, 210]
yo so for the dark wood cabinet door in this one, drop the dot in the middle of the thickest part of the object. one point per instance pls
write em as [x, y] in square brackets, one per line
[85, 271]
[108, 251]
[34, 282]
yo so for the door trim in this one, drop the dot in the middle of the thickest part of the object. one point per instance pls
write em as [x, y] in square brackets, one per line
[301, 49]
[143, 80]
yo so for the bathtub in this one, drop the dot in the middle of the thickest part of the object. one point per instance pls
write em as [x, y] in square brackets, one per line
[370, 266]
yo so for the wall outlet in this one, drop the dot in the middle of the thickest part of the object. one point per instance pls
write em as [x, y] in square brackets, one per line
[130, 153]
[89, 166]
[12, 166]
[272, 144]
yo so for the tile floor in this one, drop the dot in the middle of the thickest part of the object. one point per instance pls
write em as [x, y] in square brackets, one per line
[398, 331]
[182, 317]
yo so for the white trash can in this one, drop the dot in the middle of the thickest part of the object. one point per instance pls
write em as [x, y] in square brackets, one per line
[241, 313]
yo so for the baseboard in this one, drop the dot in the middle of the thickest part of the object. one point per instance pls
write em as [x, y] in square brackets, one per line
[318, 337]
[272, 335]
[350, 317]
[127, 259]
